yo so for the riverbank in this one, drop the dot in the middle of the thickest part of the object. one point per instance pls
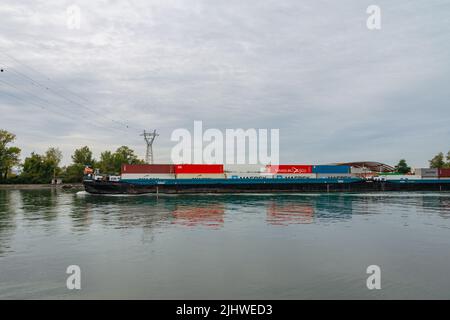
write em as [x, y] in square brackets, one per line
[41, 186]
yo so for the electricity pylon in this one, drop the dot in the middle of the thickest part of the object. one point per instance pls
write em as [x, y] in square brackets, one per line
[149, 137]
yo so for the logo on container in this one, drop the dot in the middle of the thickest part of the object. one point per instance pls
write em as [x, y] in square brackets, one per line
[235, 146]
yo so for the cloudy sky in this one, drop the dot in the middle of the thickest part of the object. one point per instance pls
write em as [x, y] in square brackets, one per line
[336, 90]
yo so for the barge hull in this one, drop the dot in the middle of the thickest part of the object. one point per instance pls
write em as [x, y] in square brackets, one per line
[219, 187]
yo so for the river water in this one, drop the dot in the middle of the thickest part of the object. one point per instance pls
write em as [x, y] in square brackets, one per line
[302, 246]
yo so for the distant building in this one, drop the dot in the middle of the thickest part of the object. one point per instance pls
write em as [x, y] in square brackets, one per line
[373, 166]
[57, 181]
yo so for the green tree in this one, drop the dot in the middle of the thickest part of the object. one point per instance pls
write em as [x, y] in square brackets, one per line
[83, 156]
[402, 167]
[9, 156]
[73, 173]
[437, 161]
[123, 155]
[53, 157]
[111, 163]
[447, 165]
[106, 163]
[37, 169]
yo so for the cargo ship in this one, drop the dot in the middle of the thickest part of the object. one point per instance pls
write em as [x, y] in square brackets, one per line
[217, 178]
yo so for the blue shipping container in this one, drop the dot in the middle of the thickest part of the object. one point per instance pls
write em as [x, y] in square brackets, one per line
[331, 169]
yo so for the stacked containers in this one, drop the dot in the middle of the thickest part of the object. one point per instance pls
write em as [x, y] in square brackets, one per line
[195, 171]
[427, 172]
[148, 171]
[444, 173]
[330, 171]
[291, 171]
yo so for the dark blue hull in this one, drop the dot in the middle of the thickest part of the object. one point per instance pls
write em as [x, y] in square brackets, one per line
[179, 186]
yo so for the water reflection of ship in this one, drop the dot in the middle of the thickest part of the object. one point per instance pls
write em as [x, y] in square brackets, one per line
[148, 212]
[279, 213]
[209, 216]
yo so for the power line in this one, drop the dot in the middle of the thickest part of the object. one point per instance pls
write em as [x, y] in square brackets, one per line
[37, 83]
[52, 111]
[41, 74]
[48, 102]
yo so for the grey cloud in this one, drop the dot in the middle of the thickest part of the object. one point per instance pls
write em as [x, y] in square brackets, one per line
[336, 91]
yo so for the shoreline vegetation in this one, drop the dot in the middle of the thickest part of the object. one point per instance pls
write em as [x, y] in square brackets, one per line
[43, 169]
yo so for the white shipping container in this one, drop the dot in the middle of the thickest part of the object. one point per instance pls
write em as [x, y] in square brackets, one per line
[356, 170]
[244, 168]
[334, 175]
[427, 172]
[147, 176]
[401, 177]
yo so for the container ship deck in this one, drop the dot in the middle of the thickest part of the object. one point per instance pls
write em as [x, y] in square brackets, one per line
[182, 179]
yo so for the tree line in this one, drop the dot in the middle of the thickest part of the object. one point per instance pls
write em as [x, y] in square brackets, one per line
[42, 168]
[439, 161]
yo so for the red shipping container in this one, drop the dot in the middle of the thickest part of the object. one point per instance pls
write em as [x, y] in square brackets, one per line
[289, 168]
[148, 168]
[198, 168]
[444, 173]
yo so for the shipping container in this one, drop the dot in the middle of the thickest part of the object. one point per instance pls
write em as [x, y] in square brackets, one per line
[249, 176]
[296, 176]
[245, 168]
[330, 169]
[427, 172]
[148, 176]
[356, 170]
[401, 177]
[199, 168]
[334, 175]
[361, 172]
[200, 176]
[444, 172]
[256, 175]
[289, 169]
[148, 168]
